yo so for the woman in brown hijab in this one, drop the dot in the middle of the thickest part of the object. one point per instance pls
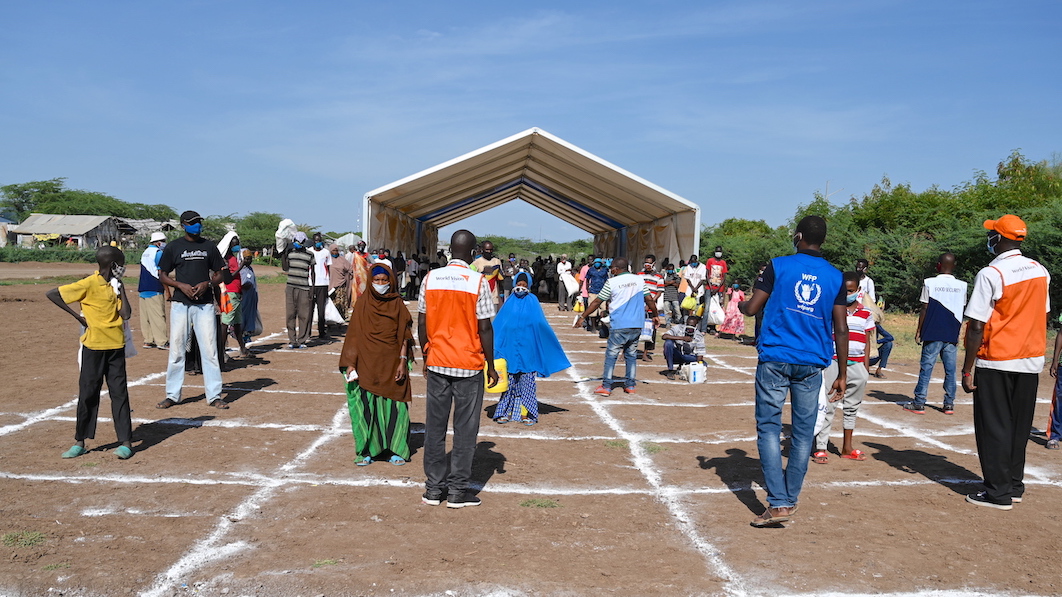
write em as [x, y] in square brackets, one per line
[375, 363]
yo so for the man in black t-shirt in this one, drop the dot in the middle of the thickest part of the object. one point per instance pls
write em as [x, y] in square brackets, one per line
[195, 265]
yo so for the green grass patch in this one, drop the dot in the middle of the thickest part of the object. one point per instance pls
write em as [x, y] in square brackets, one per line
[539, 503]
[320, 563]
[23, 539]
[616, 443]
[651, 448]
[89, 464]
[58, 566]
[273, 279]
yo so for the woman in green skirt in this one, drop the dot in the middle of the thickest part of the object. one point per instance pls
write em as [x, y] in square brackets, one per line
[375, 364]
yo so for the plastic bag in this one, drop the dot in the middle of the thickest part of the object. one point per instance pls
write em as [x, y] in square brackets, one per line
[715, 313]
[648, 331]
[689, 303]
[579, 308]
[285, 232]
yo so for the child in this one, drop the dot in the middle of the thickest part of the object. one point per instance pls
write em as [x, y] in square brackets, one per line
[105, 307]
[860, 323]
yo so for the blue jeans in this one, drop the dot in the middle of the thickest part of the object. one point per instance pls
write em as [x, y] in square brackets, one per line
[947, 352]
[773, 382]
[626, 340]
[184, 319]
[885, 340]
[673, 354]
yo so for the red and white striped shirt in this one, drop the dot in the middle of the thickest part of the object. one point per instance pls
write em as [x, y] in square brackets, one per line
[859, 323]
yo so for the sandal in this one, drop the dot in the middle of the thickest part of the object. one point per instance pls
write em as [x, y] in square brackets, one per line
[855, 455]
[397, 460]
[820, 457]
[165, 404]
[501, 420]
[528, 422]
[220, 404]
[364, 461]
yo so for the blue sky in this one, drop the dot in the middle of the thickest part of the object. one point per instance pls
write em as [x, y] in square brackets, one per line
[746, 108]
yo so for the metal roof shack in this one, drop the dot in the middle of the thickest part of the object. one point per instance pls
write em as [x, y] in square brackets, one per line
[86, 231]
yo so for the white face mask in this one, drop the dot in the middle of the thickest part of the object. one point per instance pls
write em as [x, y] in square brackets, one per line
[520, 290]
[381, 288]
[718, 254]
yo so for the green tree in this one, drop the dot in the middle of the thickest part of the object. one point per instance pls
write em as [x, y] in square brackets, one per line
[257, 229]
[52, 197]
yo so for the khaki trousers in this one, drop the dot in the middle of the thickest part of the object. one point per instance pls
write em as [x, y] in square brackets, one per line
[153, 320]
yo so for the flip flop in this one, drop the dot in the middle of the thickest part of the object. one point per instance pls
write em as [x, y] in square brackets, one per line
[74, 451]
[220, 404]
[501, 420]
[364, 461]
[855, 455]
[528, 422]
[165, 404]
[123, 452]
[820, 457]
[397, 460]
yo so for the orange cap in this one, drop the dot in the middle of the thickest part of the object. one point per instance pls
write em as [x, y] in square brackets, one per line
[1010, 226]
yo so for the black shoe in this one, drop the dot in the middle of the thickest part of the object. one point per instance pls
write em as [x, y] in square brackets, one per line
[981, 499]
[432, 498]
[911, 407]
[949, 409]
[462, 500]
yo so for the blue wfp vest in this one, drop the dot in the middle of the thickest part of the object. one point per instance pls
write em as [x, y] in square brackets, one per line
[798, 317]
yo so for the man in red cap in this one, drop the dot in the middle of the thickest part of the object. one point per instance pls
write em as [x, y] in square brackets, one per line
[1006, 339]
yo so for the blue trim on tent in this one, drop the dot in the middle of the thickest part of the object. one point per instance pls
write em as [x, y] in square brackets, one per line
[523, 181]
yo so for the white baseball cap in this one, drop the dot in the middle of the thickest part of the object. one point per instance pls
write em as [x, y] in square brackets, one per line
[157, 236]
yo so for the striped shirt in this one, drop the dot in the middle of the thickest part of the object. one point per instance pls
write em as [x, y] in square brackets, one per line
[654, 282]
[859, 323]
[299, 264]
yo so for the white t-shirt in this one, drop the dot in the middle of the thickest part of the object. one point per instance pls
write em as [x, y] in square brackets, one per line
[322, 258]
[695, 275]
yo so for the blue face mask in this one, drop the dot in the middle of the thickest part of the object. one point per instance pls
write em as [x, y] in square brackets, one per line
[236, 250]
[297, 245]
[318, 245]
[194, 229]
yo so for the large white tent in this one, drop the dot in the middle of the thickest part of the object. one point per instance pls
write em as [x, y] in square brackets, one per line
[627, 215]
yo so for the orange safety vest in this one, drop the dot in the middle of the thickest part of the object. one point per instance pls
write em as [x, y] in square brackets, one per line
[450, 295]
[1017, 328]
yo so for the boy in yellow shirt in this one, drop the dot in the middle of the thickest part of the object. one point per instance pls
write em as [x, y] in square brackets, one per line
[105, 307]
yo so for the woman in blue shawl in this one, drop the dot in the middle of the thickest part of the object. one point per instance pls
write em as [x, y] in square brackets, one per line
[523, 338]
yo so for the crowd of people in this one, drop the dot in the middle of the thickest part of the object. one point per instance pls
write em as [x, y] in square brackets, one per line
[479, 315]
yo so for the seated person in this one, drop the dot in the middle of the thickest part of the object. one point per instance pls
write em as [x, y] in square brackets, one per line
[683, 343]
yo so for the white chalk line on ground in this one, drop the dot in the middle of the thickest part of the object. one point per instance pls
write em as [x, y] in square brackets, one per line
[311, 480]
[643, 463]
[517, 433]
[211, 548]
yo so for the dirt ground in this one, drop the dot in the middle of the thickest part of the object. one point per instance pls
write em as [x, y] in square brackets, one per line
[645, 494]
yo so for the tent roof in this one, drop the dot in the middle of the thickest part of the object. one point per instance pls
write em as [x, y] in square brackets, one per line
[545, 171]
[59, 224]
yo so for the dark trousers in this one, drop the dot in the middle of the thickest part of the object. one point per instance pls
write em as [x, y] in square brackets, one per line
[297, 303]
[95, 366]
[1003, 407]
[465, 396]
[320, 297]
